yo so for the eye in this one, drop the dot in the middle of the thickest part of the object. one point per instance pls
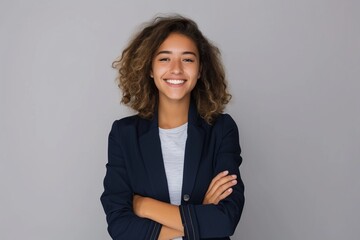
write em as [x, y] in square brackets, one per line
[164, 59]
[188, 60]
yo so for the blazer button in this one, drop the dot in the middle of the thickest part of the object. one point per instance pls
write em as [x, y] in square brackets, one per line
[186, 197]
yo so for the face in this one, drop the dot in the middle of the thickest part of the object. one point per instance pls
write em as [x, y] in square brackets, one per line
[175, 68]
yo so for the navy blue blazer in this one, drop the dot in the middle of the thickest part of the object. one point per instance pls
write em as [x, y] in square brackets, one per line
[135, 166]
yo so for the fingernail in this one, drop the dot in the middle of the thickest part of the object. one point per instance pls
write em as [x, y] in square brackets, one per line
[234, 176]
[230, 190]
[225, 172]
[234, 181]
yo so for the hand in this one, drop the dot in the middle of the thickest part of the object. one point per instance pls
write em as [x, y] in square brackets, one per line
[220, 188]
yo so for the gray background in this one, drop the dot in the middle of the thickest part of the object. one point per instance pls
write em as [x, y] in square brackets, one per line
[293, 69]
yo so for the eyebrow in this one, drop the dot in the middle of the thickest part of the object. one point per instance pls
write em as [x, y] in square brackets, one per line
[169, 52]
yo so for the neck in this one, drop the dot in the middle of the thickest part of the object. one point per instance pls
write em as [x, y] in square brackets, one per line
[173, 114]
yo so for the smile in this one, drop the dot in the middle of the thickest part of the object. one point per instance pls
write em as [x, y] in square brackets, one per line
[175, 81]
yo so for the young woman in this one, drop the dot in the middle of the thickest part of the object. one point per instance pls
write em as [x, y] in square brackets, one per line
[173, 169]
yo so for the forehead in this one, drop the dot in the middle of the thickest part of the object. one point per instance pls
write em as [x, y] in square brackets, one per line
[178, 41]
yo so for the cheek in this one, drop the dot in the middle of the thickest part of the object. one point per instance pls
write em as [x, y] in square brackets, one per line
[193, 84]
[156, 80]
[158, 71]
[196, 73]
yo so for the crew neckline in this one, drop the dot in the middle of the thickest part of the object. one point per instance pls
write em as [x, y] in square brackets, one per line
[174, 130]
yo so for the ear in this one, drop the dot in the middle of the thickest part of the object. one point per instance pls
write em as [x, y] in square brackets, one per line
[151, 74]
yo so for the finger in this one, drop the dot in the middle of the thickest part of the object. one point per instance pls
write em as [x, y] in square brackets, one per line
[217, 177]
[221, 182]
[223, 195]
[214, 196]
[223, 188]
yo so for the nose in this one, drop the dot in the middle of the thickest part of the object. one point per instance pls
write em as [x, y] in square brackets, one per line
[176, 66]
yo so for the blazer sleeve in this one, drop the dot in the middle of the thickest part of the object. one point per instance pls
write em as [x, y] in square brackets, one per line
[216, 221]
[118, 195]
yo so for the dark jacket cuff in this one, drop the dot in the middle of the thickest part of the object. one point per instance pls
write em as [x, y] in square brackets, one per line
[188, 218]
[155, 232]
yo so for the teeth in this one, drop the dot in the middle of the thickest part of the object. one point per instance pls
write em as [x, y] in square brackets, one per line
[175, 81]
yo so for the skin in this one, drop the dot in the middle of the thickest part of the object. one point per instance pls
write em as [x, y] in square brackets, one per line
[175, 71]
[176, 59]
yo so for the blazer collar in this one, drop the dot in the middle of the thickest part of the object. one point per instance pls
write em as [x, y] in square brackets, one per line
[193, 116]
[150, 147]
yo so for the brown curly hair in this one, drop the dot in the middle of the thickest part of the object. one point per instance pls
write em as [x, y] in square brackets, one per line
[134, 66]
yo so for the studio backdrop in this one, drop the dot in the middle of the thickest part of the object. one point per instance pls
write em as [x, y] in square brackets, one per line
[293, 71]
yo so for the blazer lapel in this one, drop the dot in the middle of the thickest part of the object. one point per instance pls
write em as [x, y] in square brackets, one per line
[152, 156]
[193, 151]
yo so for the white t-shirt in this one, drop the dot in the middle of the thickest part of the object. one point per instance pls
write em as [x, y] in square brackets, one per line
[173, 150]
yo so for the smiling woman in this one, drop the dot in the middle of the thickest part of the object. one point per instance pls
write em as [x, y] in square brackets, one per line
[135, 65]
[173, 169]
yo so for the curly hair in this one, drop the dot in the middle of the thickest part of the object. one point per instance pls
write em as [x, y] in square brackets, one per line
[134, 66]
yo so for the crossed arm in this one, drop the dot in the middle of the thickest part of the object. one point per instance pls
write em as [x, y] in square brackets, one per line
[169, 215]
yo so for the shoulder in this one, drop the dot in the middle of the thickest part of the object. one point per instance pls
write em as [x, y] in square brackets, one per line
[225, 118]
[129, 124]
[224, 122]
[126, 121]
[222, 126]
